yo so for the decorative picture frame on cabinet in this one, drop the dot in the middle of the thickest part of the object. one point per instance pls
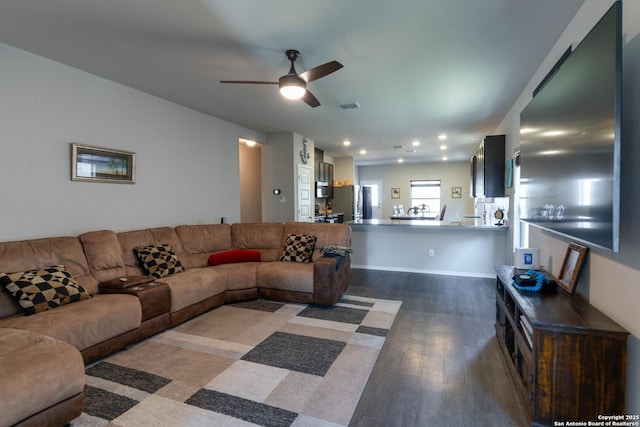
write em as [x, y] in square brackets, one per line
[97, 164]
[571, 266]
[395, 193]
[456, 192]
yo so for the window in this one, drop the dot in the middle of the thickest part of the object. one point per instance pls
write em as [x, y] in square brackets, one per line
[426, 193]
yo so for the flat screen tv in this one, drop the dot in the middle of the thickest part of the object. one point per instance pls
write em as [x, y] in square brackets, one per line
[570, 142]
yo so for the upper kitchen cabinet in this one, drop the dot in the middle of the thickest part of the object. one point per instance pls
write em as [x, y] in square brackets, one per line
[487, 168]
[324, 172]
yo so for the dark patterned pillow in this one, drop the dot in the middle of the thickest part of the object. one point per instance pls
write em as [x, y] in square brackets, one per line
[43, 288]
[298, 248]
[158, 261]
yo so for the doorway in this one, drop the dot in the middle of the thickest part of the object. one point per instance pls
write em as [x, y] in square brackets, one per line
[376, 197]
[250, 168]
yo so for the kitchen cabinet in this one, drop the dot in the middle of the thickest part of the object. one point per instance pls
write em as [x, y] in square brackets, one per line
[487, 168]
[324, 173]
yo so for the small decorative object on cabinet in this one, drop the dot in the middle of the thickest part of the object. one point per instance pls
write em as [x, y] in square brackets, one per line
[571, 266]
[567, 359]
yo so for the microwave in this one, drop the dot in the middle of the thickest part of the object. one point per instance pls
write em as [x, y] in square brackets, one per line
[322, 190]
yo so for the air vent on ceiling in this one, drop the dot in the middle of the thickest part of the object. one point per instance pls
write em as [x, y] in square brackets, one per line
[398, 146]
[349, 105]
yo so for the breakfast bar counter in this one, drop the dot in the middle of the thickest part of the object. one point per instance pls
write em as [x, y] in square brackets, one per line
[466, 248]
[424, 223]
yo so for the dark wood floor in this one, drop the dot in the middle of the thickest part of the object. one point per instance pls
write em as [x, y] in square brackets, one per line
[441, 364]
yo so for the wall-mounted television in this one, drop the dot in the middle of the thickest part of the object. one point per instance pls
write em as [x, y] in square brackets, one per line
[570, 141]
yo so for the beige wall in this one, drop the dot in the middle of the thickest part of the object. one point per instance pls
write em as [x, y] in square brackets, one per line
[451, 174]
[280, 157]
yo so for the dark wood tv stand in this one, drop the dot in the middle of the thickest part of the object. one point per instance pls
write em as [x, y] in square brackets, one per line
[572, 365]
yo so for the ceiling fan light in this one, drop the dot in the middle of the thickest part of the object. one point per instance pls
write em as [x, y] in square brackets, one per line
[292, 87]
[292, 91]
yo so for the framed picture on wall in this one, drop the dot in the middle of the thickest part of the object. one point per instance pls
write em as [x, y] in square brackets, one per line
[98, 164]
[395, 193]
[456, 192]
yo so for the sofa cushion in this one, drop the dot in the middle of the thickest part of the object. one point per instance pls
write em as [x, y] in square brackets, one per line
[298, 248]
[263, 236]
[234, 256]
[201, 240]
[146, 237]
[104, 254]
[194, 285]
[286, 276]
[158, 261]
[85, 323]
[37, 253]
[42, 289]
[37, 372]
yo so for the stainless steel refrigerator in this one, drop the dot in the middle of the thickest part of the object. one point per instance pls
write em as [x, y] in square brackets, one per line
[345, 200]
[365, 201]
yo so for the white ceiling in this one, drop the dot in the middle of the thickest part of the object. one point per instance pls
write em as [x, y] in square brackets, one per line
[418, 68]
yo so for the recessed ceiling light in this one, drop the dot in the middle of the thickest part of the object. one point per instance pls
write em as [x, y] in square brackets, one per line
[445, 158]
[443, 147]
[524, 131]
[363, 151]
[346, 143]
[400, 160]
[415, 143]
[442, 137]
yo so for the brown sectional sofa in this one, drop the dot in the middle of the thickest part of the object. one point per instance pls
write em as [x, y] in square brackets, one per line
[109, 321]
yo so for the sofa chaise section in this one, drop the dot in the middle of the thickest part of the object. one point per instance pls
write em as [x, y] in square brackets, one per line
[42, 380]
[322, 281]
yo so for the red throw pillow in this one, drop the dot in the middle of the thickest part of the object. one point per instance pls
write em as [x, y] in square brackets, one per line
[234, 255]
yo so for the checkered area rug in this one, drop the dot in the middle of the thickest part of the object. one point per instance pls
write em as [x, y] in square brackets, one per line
[257, 363]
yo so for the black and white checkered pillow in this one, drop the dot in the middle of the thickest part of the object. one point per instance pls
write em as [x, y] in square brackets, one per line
[43, 288]
[158, 261]
[298, 248]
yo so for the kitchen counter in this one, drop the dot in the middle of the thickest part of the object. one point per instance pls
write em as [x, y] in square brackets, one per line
[325, 217]
[425, 223]
[465, 248]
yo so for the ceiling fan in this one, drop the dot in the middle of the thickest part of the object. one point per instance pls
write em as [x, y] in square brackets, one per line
[293, 85]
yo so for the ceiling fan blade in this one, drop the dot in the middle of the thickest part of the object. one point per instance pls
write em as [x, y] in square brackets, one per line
[310, 99]
[320, 71]
[250, 82]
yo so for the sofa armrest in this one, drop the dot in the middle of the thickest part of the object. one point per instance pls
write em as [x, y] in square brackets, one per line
[330, 282]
